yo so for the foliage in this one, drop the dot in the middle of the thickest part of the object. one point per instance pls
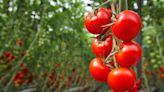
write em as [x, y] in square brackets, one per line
[53, 41]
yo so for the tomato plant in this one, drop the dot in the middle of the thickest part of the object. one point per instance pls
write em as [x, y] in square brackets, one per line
[116, 46]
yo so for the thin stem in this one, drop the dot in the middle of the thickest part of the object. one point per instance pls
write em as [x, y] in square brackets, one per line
[113, 9]
[111, 54]
[120, 5]
[114, 59]
[110, 66]
[126, 4]
[106, 2]
[160, 48]
[146, 82]
[108, 25]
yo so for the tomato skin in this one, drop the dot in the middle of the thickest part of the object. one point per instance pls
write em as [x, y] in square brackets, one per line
[98, 69]
[127, 25]
[133, 89]
[94, 23]
[121, 79]
[129, 55]
[162, 69]
[138, 83]
[162, 76]
[102, 48]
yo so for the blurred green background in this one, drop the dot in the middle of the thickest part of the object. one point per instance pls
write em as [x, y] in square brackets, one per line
[49, 37]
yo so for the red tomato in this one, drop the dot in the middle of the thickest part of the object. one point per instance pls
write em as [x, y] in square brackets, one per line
[19, 75]
[138, 83]
[7, 54]
[18, 82]
[162, 76]
[133, 89]
[94, 23]
[162, 69]
[121, 79]
[29, 80]
[19, 42]
[118, 91]
[130, 53]
[102, 48]
[127, 25]
[98, 69]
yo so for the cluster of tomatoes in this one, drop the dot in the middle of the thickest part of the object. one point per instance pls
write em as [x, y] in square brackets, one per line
[114, 47]
[23, 75]
[7, 56]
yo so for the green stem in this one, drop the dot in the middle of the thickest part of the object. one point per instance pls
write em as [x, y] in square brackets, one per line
[113, 9]
[160, 48]
[120, 5]
[106, 2]
[146, 82]
[111, 54]
[126, 4]
[114, 59]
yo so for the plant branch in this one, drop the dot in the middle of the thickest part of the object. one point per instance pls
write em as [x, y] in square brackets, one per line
[106, 2]
[126, 4]
[120, 5]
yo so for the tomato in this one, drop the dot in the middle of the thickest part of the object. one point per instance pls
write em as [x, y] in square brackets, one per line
[127, 25]
[121, 79]
[19, 75]
[118, 91]
[162, 69]
[18, 82]
[138, 83]
[133, 89]
[99, 70]
[94, 23]
[7, 54]
[162, 76]
[19, 42]
[130, 53]
[102, 48]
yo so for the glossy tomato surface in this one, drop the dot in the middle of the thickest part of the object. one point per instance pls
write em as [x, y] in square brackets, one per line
[99, 70]
[129, 55]
[127, 25]
[102, 48]
[121, 79]
[94, 23]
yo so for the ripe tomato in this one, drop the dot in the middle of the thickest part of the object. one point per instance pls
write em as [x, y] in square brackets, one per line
[102, 48]
[133, 89]
[162, 69]
[18, 82]
[121, 79]
[130, 53]
[138, 83]
[127, 25]
[98, 69]
[19, 42]
[94, 23]
[162, 76]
